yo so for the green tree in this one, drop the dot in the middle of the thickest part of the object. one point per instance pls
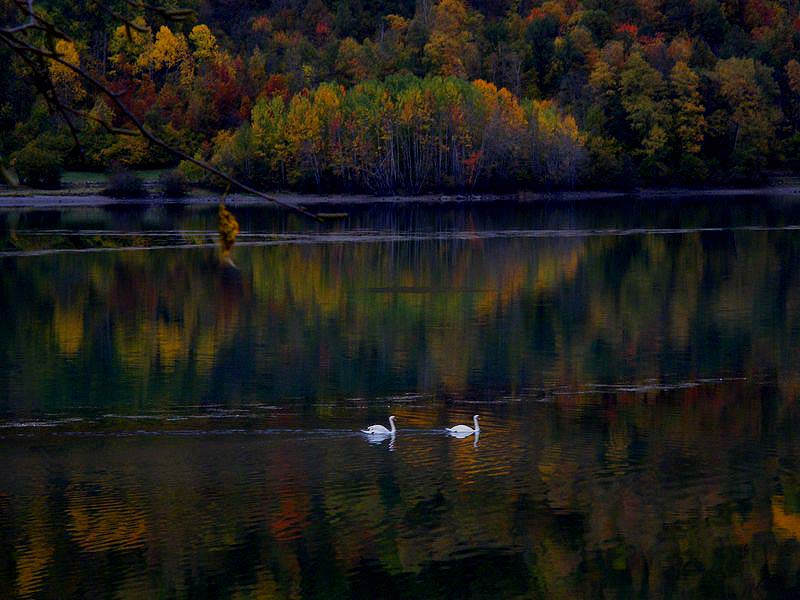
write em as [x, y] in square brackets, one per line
[643, 96]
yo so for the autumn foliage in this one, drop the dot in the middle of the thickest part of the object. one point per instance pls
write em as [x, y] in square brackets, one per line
[449, 95]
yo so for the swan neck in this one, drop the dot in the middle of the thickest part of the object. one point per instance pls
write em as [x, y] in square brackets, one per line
[391, 422]
[475, 420]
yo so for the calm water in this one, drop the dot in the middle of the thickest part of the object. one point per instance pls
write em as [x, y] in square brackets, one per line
[171, 427]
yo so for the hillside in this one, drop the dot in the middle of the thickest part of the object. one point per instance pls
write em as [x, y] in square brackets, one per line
[399, 96]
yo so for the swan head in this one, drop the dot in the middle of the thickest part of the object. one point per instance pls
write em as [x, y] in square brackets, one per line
[476, 417]
[391, 418]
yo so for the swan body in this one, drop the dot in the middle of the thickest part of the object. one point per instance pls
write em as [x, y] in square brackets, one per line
[465, 429]
[380, 429]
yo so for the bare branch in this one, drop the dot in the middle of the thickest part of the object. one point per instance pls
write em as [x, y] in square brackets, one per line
[27, 8]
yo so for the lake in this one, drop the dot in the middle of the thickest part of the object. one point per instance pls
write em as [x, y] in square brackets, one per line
[171, 426]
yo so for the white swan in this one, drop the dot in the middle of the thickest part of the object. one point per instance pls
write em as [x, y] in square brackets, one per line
[465, 429]
[380, 429]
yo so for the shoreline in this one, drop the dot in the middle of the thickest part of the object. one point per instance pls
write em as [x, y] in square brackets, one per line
[90, 198]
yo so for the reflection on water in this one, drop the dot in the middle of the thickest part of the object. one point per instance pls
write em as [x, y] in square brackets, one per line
[172, 427]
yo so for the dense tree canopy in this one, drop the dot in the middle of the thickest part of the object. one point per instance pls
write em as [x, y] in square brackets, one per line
[414, 96]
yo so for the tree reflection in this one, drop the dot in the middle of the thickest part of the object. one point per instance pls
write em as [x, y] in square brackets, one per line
[662, 460]
[510, 315]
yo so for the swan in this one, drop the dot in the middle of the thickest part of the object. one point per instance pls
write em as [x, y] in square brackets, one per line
[380, 429]
[465, 429]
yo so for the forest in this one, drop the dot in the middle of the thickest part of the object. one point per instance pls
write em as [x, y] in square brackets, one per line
[415, 96]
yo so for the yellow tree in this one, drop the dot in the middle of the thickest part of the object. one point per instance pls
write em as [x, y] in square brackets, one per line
[203, 42]
[500, 136]
[690, 125]
[451, 48]
[171, 52]
[65, 80]
[130, 47]
[690, 122]
[556, 145]
[327, 108]
[749, 116]
[303, 128]
[268, 119]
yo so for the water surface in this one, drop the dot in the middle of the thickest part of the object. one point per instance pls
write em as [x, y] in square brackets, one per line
[174, 427]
